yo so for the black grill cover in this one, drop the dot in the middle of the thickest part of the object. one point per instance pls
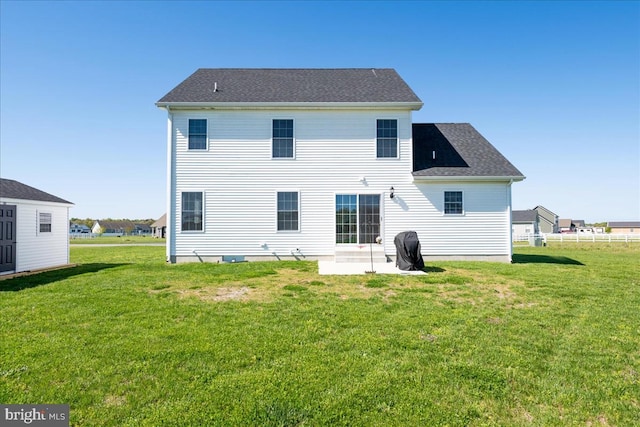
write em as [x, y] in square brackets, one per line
[408, 256]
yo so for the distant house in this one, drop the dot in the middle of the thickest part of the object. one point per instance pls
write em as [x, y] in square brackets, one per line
[75, 229]
[566, 226]
[159, 227]
[547, 220]
[141, 229]
[113, 228]
[624, 227]
[524, 222]
[34, 228]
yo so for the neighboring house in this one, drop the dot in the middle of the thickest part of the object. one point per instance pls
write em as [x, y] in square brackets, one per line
[566, 226]
[624, 227]
[281, 163]
[140, 229]
[34, 228]
[579, 223]
[75, 229]
[524, 223]
[159, 228]
[547, 220]
[113, 228]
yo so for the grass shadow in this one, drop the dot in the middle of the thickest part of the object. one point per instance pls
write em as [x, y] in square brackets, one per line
[47, 277]
[543, 259]
[427, 269]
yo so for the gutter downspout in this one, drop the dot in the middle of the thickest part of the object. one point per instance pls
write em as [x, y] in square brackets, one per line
[509, 221]
[170, 187]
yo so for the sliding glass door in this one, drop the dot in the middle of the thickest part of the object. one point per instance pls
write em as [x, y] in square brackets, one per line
[357, 218]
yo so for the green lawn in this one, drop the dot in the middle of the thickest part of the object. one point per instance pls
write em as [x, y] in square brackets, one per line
[111, 240]
[126, 340]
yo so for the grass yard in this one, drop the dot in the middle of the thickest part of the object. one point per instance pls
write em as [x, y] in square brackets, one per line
[115, 240]
[126, 340]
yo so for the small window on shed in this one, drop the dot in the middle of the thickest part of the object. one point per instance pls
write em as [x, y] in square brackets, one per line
[44, 221]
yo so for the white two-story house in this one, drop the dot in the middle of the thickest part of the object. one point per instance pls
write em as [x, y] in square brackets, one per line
[281, 163]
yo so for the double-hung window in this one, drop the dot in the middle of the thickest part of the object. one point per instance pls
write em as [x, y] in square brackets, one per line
[288, 211]
[282, 139]
[44, 222]
[197, 134]
[387, 138]
[453, 203]
[192, 211]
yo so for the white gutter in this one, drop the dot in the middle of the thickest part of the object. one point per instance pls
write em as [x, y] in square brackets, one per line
[289, 105]
[509, 179]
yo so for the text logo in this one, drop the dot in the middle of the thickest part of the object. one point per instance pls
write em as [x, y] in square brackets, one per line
[35, 415]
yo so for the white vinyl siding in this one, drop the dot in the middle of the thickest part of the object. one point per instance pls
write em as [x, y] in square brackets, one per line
[333, 150]
[484, 229]
[335, 153]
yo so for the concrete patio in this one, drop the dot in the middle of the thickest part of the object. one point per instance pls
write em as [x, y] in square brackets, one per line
[347, 268]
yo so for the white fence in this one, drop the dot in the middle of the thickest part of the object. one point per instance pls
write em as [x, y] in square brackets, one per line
[74, 236]
[542, 239]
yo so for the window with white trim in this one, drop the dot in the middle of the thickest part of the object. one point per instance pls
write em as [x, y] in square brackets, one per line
[387, 138]
[44, 222]
[282, 139]
[288, 211]
[197, 134]
[453, 203]
[192, 211]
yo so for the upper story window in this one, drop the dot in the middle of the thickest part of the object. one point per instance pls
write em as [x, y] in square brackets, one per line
[288, 211]
[192, 211]
[282, 141]
[44, 221]
[197, 134]
[387, 138]
[453, 202]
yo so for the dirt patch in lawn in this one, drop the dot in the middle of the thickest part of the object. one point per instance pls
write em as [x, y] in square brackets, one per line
[217, 294]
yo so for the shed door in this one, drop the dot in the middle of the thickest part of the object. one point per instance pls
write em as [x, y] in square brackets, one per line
[7, 238]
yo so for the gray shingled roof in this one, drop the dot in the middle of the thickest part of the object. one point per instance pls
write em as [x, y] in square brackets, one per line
[292, 85]
[160, 222]
[460, 151]
[524, 216]
[565, 222]
[624, 224]
[16, 190]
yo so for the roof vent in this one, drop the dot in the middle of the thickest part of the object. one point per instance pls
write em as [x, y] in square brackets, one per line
[215, 86]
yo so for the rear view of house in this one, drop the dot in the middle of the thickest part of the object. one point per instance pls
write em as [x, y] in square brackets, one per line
[316, 163]
[34, 228]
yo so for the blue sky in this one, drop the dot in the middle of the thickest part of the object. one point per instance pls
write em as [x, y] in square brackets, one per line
[555, 86]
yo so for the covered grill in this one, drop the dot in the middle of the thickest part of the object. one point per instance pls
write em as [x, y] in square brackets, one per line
[408, 256]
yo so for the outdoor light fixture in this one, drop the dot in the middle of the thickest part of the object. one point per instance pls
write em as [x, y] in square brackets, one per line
[391, 195]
